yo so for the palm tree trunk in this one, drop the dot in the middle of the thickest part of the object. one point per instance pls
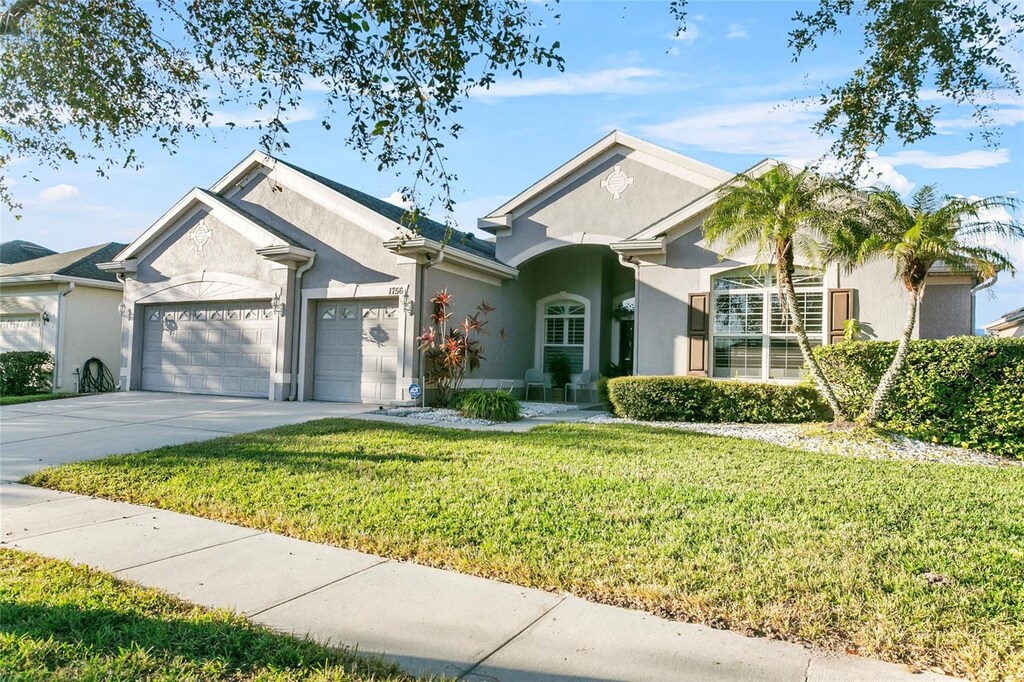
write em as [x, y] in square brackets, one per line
[888, 381]
[785, 275]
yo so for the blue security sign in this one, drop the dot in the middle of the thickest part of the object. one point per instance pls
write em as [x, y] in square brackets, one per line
[415, 391]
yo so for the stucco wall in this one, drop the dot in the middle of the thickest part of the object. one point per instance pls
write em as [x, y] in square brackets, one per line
[509, 354]
[226, 251]
[345, 252]
[584, 207]
[879, 302]
[588, 271]
[92, 328]
[946, 309]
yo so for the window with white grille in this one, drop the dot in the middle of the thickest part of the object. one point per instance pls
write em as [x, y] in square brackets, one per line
[753, 333]
[565, 333]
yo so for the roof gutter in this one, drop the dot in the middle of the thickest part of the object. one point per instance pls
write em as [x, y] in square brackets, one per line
[422, 245]
[85, 281]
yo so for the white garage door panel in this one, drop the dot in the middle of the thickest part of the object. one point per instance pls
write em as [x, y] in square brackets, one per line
[20, 332]
[216, 348]
[356, 355]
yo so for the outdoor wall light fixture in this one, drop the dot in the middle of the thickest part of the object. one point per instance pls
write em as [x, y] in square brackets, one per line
[124, 311]
[46, 317]
[276, 304]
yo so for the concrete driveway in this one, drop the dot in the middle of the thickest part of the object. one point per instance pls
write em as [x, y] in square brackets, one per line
[37, 435]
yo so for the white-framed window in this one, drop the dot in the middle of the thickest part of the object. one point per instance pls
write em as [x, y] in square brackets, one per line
[751, 333]
[562, 330]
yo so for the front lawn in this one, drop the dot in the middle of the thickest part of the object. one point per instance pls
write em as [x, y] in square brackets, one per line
[35, 397]
[59, 621]
[911, 562]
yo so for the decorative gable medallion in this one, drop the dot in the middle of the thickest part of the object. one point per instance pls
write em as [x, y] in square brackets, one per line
[200, 235]
[617, 182]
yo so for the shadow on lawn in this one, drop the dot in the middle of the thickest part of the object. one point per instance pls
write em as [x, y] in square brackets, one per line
[210, 642]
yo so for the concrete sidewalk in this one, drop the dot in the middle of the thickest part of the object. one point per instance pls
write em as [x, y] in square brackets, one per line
[428, 620]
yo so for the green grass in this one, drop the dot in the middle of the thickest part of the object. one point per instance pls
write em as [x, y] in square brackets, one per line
[34, 398]
[59, 621]
[910, 562]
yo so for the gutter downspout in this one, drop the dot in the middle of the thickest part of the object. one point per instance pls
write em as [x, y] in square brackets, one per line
[423, 299]
[58, 347]
[297, 327]
[988, 283]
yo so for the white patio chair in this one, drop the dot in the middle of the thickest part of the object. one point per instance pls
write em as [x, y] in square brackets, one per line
[506, 386]
[583, 382]
[535, 377]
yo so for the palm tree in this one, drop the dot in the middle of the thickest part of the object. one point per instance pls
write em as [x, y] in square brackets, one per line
[783, 214]
[930, 230]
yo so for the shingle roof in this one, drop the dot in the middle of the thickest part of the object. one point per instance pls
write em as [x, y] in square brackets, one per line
[77, 263]
[431, 229]
[19, 250]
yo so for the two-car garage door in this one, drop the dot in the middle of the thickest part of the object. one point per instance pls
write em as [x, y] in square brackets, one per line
[216, 348]
[227, 349]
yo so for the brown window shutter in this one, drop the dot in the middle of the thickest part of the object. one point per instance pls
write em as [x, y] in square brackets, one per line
[697, 331]
[840, 309]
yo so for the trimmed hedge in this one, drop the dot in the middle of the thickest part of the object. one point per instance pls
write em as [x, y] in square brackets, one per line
[490, 405]
[695, 399]
[966, 391]
[25, 372]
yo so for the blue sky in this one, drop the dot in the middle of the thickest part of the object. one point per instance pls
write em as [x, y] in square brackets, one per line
[721, 93]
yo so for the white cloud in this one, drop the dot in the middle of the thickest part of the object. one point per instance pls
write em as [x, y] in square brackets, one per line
[877, 172]
[1011, 247]
[627, 80]
[1003, 116]
[769, 128]
[61, 192]
[397, 199]
[970, 160]
[736, 32]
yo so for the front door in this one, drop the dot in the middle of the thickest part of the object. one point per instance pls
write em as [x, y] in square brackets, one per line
[626, 345]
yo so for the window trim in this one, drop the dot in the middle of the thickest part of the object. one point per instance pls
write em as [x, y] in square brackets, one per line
[539, 339]
[766, 335]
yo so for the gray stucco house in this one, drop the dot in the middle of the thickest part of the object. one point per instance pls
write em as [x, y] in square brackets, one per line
[281, 283]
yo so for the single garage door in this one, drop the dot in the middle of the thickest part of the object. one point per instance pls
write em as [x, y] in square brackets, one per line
[356, 354]
[216, 348]
[20, 332]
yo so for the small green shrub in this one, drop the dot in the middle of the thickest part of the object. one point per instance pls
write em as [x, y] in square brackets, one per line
[602, 393]
[25, 372]
[561, 371]
[495, 407]
[966, 391]
[696, 399]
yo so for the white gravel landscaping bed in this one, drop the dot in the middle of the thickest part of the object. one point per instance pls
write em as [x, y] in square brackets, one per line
[528, 410]
[817, 438]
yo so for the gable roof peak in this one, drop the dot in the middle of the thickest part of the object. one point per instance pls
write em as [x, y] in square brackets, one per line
[695, 171]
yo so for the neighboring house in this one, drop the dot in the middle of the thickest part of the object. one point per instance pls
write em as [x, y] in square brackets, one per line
[278, 282]
[18, 250]
[65, 305]
[1009, 325]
